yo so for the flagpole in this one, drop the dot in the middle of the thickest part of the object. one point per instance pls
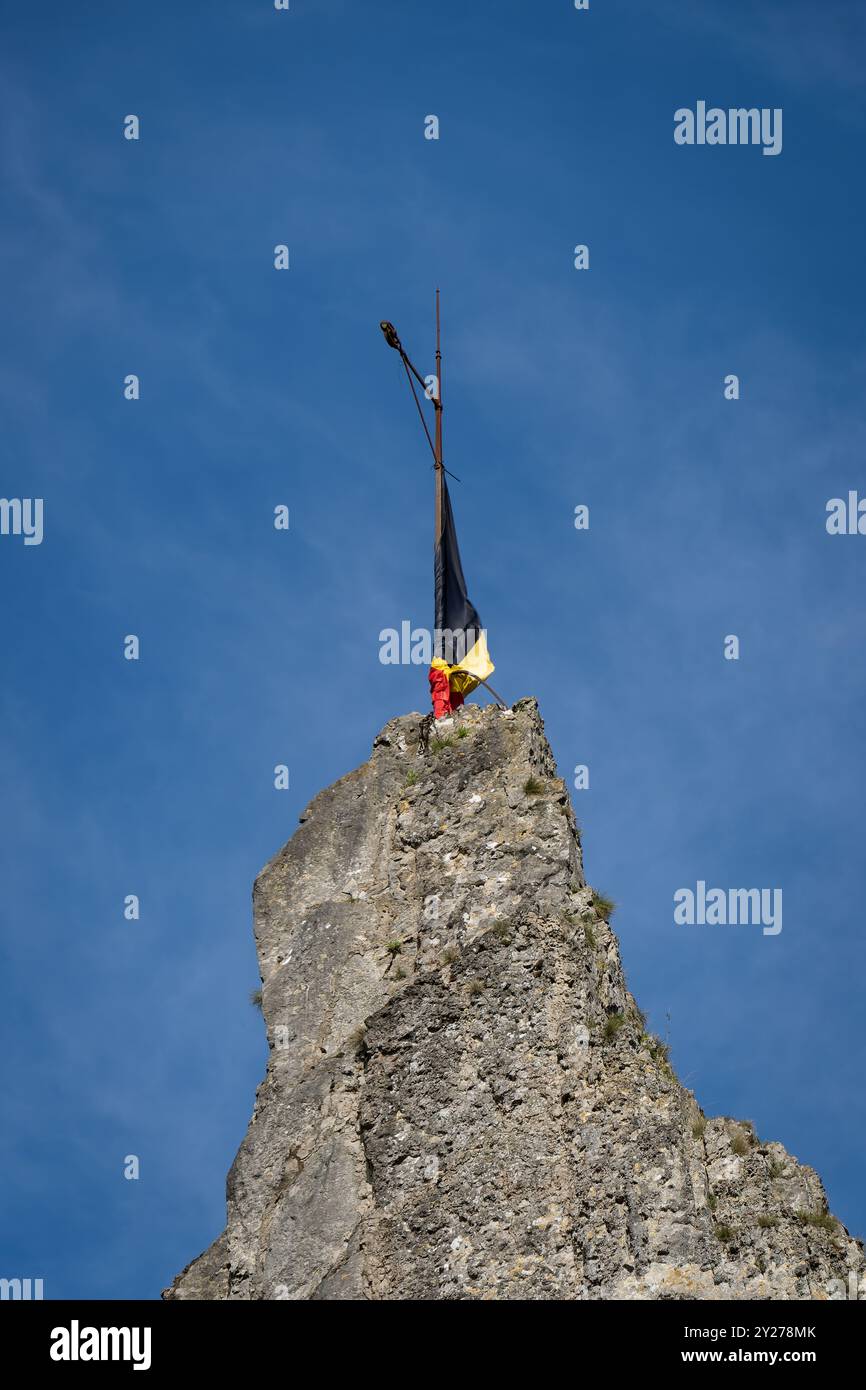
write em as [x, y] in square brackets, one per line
[393, 341]
[438, 445]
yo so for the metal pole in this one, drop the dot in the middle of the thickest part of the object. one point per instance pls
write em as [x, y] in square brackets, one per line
[438, 408]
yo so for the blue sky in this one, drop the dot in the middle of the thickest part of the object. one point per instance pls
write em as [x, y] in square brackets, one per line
[602, 387]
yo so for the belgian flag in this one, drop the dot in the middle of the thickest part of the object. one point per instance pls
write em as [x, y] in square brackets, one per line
[460, 654]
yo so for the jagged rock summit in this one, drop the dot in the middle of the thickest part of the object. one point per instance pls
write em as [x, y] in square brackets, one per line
[461, 1099]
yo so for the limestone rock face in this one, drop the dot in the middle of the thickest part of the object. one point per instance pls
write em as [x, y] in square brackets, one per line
[461, 1098]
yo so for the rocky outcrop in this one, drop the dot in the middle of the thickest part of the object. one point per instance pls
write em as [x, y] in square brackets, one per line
[462, 1099]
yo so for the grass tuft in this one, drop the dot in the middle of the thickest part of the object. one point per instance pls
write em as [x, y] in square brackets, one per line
[605, 907]
[612, 1026]
[822, 1220]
